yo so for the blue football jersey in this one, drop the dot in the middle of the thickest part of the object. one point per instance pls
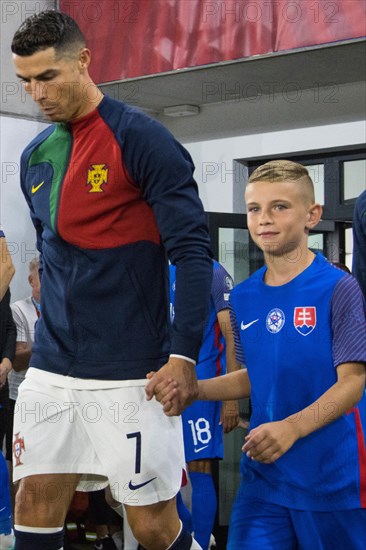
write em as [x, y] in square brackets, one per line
[291, 338]
[212, 350]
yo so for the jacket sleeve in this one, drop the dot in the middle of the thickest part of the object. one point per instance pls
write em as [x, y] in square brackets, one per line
[164, 171]
[36, 222]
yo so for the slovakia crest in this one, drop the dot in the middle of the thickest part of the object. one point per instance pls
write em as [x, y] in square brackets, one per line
[275, 320]
[18, 448]
[305, 319]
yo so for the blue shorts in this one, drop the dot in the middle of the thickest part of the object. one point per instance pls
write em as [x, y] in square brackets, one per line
[202, 433]
[258, 524]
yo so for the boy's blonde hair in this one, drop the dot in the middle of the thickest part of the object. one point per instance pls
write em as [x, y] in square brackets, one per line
[285, 170]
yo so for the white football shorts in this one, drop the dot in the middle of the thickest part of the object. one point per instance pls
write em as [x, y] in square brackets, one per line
[105, 430]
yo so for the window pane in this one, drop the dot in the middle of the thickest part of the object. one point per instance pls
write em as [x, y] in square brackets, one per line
[234, 252]
[316, 242]
[349, 247]
[354, 178]
[316, 172]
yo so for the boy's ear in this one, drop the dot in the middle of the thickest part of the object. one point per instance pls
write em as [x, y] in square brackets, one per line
[313, 216]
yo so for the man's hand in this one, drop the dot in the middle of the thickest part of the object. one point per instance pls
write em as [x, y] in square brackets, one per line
[229, 417]
[5, 368]
[269, 441]
[174, 385]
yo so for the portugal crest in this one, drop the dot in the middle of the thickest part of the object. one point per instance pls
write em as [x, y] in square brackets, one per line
[305, 319]
[18, 448]
[97, 176]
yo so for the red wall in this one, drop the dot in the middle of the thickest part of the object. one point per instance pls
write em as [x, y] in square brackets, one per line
[131, 38]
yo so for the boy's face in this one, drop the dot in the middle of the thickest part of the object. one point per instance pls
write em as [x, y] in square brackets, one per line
[54, 83]
[279, 216]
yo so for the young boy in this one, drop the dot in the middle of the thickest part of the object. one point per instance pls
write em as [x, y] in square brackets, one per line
[299, 327]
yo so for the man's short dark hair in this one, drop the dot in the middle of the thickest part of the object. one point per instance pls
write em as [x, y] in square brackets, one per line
[47, 29]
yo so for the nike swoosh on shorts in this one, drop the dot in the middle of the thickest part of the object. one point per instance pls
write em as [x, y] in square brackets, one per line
[133, 487]
[200, 449]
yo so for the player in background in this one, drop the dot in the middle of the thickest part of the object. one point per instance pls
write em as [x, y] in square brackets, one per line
[204, 422]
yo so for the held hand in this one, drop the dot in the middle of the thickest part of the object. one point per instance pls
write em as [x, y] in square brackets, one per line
[268, 442]
[229, 417]
[174, 385]
[164, 391]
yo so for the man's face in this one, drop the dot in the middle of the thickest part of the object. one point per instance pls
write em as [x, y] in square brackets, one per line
[35, 284]
[56, 84]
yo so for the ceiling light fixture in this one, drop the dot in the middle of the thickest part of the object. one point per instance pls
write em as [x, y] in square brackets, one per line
[181, 110]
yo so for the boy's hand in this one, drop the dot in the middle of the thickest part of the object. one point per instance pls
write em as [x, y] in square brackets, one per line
[229, 417]
[269, 441]
[174, 385]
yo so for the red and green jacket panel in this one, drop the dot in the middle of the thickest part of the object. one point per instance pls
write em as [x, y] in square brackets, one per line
[110, 195]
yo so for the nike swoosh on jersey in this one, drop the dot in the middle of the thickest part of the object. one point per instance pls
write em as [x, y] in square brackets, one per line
[200, 449]
[244, 327]
[35, 188]
[133, 487]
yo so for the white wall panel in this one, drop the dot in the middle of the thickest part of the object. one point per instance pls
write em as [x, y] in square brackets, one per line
[218, 184]
[15, 134]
